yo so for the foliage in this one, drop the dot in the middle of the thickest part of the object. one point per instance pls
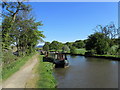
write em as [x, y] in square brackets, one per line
[78, 44]
[46, 46]
[65, 49]
[8, 58]
[19, 28]
[69, 44]
[98, 42]
[113, 50]
[73, 50]
[13, 8]
[55, 45]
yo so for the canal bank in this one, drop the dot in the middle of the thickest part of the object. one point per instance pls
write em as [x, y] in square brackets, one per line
[97, 56]
[45, 72]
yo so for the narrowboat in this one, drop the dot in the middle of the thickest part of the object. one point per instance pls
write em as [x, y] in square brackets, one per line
[59, 59]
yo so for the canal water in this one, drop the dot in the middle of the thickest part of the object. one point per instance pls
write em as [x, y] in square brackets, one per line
[88, 72]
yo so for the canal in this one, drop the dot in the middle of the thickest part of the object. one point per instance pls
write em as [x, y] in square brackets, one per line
[88, 72]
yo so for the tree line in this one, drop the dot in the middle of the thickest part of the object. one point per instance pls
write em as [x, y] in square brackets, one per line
[63, 47]
[105, 40]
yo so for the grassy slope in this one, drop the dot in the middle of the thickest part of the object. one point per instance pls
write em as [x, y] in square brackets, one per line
[80, 51]
[46, 79]
[8, 70]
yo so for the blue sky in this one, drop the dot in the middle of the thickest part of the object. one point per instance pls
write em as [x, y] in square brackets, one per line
[70, 21]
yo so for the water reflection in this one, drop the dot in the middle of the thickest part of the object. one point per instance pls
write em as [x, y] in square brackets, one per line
[73, 56]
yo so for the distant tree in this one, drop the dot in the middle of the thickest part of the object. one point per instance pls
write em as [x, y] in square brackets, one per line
[69, 44]
[79, 44]
[55, 45]
[47, 43]
[65, 49]
[46, 46]
[109, 30]
[73, 50]
[119, 46]
[85, 41]
[113, 50]
[98, 42]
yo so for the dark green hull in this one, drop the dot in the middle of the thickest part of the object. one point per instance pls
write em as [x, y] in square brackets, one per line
[58, 63]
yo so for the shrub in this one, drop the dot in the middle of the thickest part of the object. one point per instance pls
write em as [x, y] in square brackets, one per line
[65, 49]
[8, 57]
[73, 50]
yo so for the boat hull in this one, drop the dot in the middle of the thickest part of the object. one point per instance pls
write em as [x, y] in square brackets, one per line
[61, 64]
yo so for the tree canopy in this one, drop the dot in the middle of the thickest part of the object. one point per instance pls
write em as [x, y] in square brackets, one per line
[79, 44]
[46, 46]
[19, 27]
[98, 42]
[55, 45]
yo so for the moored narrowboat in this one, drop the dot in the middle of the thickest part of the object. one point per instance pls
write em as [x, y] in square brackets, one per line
[59, 59]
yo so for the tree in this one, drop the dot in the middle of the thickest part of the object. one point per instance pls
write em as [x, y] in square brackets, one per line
[73, 50]
[13, 8]
[55, 45]
[69, 44]
[109, 30]
[10, 12]
[19, 27]
[79, 44]
[65, 49]
[46, 46]
[98, 42]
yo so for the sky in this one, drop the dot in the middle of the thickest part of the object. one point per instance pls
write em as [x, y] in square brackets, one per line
[71, 21]
[65, 0]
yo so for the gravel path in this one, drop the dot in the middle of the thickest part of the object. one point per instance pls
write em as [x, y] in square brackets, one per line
[20, 78]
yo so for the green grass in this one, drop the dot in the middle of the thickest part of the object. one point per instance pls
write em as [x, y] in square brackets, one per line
[108, 55]
[55, 50]
[11, 68]
[80, 51]
[45, 70]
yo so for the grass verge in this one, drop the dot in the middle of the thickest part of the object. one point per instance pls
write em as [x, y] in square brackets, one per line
[10, 69]
[46, 78]
[108, 55]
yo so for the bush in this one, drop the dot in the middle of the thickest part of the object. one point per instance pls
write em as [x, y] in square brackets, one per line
[73, 50]
[65, 49]
[113, 50]
[8, 57]
[13, 66]
[98, 42]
